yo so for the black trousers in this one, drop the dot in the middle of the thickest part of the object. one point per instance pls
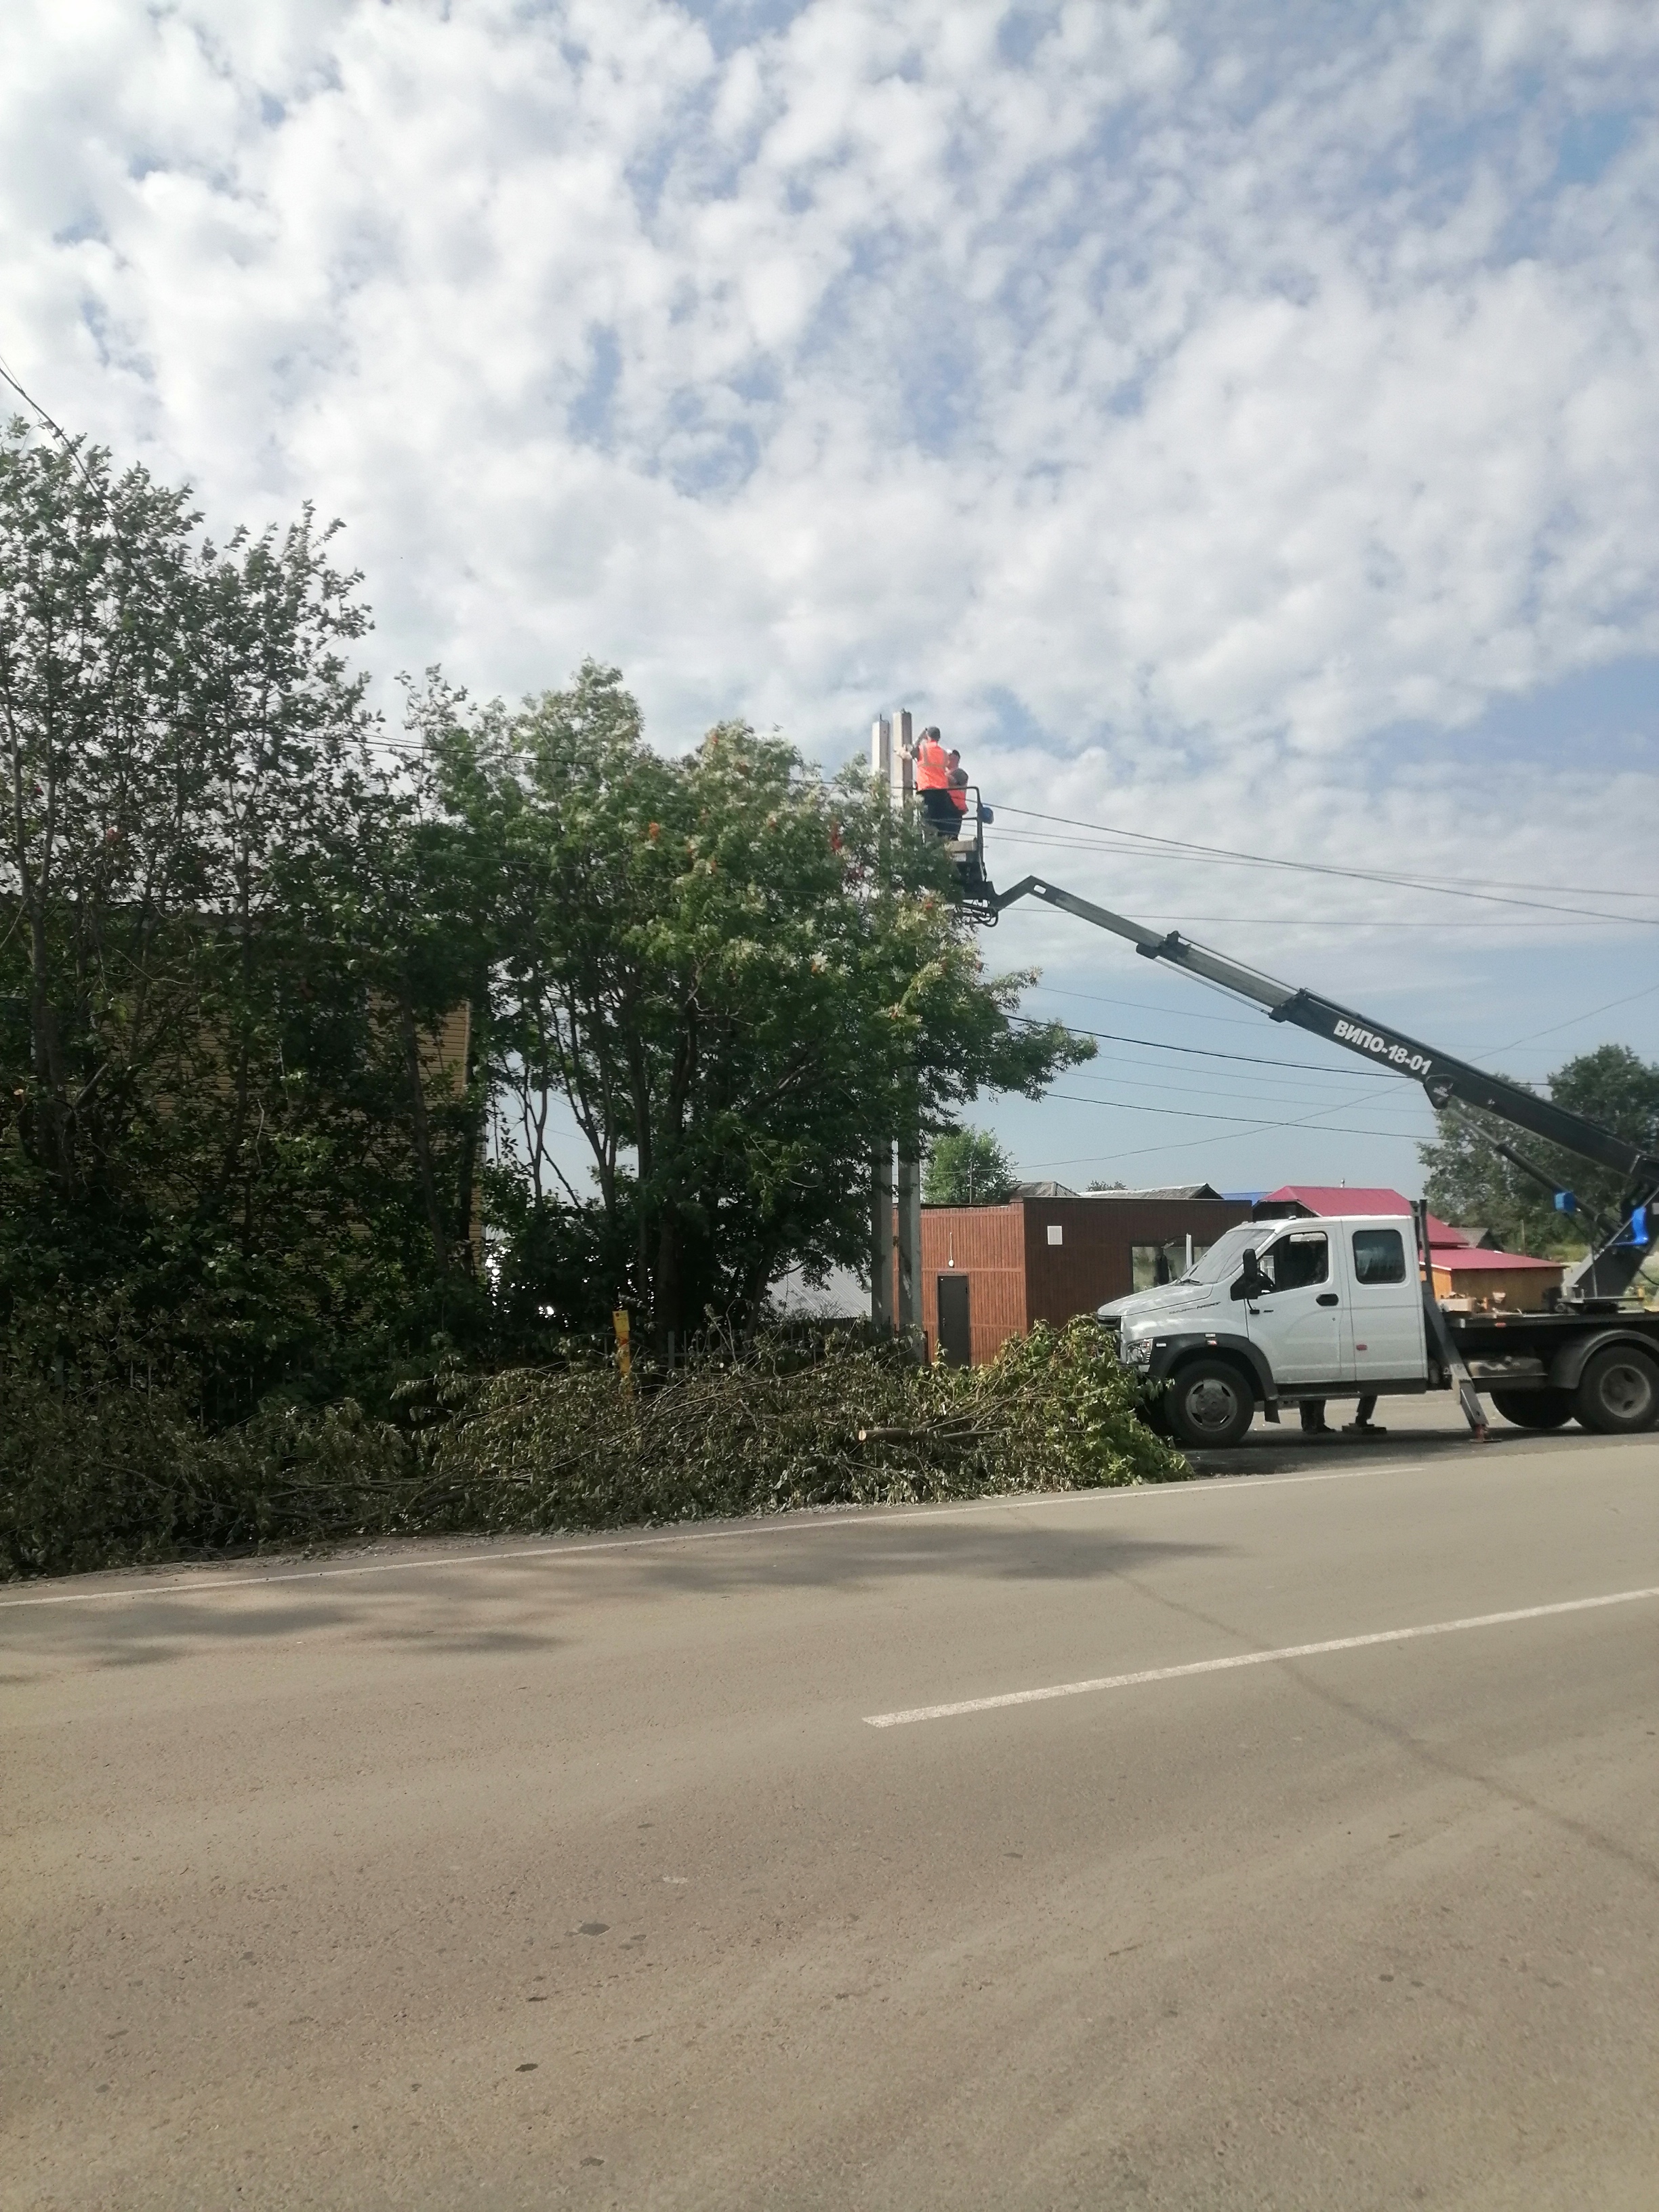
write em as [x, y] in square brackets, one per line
[1313, 1412]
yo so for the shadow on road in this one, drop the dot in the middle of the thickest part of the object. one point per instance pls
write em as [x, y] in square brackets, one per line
[1290, 1449]
[511, 1606]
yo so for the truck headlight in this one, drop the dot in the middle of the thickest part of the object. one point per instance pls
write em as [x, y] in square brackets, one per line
[1138, 1351]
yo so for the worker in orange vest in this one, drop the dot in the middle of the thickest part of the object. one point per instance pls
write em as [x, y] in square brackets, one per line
[933, 783]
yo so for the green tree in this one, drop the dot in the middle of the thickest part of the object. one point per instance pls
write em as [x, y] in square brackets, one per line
[732, 975]
[206, 1128]
[1470, 1180]
[236, 949]
[968, 1167]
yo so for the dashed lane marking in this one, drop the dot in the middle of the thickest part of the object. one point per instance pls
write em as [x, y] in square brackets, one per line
[1252, 1659]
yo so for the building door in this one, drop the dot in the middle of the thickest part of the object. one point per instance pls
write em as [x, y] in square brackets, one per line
[955, 1335]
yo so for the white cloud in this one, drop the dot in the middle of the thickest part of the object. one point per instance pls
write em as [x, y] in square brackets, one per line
[1176, 400]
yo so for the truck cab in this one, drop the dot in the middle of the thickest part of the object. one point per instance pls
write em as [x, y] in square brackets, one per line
[1274, 1312]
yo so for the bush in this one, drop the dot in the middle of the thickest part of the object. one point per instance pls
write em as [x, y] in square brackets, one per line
[125, 1476]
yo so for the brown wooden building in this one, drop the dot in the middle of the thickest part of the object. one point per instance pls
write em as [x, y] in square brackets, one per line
[988, 1272]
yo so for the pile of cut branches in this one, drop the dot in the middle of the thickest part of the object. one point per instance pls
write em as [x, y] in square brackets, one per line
[125, 1477]
[858, 1424]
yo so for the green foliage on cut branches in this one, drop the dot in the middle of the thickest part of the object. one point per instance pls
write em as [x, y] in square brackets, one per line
[129, 1477]
[1469, 1181]
[967, 1166]
[836, 1421]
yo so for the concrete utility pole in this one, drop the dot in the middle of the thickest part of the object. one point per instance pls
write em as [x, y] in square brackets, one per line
[910, 1252]
[892, 762]
[881, 1164]
[903, 773]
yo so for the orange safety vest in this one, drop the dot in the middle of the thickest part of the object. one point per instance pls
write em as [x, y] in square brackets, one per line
[932, 774]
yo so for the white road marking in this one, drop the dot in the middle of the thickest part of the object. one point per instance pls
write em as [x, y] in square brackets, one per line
[802, 1521]
[1252, 1659]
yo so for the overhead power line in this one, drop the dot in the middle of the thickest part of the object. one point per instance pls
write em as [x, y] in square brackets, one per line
[71, 445]
[1184, 848]
[1193, 1114]
[1573, 1021]
[1209, 1051]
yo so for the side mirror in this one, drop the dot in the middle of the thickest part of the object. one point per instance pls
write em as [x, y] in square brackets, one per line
[1251, 1281]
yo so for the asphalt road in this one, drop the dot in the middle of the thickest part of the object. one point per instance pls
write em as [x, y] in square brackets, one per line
[575, 1874]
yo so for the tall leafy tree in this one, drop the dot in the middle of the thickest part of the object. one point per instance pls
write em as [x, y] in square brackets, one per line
[968, 1167]
[732, 976]
[262, 1000]
[207, 1124]
[1470, 1180]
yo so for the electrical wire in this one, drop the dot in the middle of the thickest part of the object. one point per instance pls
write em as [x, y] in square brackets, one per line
[1144, 1006]
[1212, 1052]
[1139, 1075]
[1250, 1129]
[1572, 1023]
[1192, 1114]
[71, 445]
[1131, 840]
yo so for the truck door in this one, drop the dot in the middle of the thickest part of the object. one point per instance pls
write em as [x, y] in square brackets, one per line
[1299, 1323]
[1388, 1307]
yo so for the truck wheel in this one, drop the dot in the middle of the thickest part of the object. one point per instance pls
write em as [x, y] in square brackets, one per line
[1534, 1409]
[1209, 1403]
[1619, 1392]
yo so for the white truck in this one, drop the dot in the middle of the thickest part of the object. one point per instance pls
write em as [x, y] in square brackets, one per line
[1282, 1310]
[1287, 1311]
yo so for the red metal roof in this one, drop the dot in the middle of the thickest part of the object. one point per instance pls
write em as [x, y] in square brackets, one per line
[1451, 1248]
[1352, 1198]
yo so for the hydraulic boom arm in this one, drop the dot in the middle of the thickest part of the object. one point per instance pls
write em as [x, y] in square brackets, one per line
[1606, 1274]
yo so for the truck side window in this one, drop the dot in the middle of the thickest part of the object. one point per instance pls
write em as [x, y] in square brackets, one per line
[1295, 1261]
[1379, 1255]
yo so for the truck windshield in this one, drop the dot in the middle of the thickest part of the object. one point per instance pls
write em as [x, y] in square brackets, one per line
[1223, 1256]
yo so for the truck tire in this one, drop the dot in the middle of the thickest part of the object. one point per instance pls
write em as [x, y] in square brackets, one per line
[1534, 1409]
[1617, 1394]
[1209, 1404]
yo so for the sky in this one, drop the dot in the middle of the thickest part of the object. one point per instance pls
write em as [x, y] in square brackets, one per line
[1234, 426]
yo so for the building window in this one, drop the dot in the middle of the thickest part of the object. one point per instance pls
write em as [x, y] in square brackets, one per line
[1056, 1234]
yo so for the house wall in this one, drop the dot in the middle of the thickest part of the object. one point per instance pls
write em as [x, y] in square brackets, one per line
[1016, 1277]
[1091, 1263]
[987, 1244]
